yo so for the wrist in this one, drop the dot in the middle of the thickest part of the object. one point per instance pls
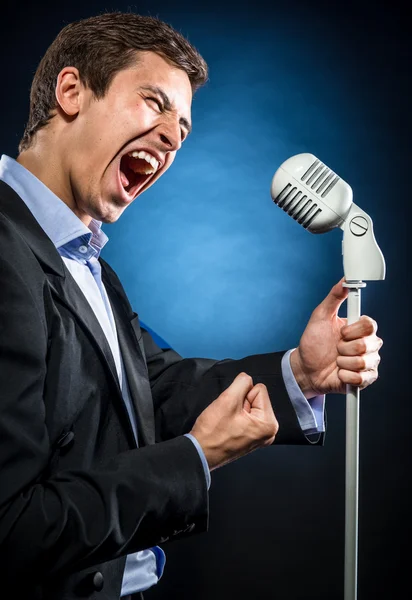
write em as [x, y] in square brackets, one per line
[300, 376]
[208, 453]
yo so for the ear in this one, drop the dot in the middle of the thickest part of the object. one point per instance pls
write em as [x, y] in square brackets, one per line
[68, 90]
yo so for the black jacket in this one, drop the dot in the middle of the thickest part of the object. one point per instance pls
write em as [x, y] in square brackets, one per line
[76, 495]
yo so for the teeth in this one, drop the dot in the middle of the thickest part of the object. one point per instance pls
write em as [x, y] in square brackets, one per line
[147, 157]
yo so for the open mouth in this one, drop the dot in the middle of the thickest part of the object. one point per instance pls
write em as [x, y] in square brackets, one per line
[136, 168]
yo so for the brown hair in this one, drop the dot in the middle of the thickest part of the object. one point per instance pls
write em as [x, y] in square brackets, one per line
[99, 47]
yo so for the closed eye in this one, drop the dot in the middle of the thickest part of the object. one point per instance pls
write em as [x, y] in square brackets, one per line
[162, 107]
[157, 101]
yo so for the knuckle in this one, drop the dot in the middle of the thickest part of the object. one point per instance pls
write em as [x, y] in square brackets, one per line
[367, 319]
[261, 386]
[371, 325]
[344, 331]
[341, 348]
[360, 346]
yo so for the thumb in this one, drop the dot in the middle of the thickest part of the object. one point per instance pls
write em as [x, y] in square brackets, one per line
[333, 301]
[239, 388]
[258, 398]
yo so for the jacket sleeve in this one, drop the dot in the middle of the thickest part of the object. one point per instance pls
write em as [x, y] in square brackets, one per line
[183, 387]
[68, 520]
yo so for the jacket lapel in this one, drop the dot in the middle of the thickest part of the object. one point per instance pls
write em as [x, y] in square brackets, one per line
[70, 294]
[135, 366]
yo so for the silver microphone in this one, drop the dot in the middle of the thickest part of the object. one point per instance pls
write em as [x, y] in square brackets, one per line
[318, 199]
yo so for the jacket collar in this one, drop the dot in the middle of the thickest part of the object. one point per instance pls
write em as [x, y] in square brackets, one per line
[13, 207]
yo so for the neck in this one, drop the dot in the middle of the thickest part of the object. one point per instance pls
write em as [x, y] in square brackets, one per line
[48, 165]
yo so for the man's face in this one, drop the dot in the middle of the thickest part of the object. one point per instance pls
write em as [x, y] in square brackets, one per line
[120, 145]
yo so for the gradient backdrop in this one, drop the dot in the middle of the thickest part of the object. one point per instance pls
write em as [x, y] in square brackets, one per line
[217, 270]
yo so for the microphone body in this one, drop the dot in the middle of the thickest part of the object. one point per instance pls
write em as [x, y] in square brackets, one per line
[319, 200]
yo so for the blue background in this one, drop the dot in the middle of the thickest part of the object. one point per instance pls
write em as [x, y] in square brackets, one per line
[212, 265]
[215, 269]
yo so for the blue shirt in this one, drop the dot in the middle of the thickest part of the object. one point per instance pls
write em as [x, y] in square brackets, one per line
[80, 247]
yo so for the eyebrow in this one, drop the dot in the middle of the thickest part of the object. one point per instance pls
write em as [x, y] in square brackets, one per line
[167, 104]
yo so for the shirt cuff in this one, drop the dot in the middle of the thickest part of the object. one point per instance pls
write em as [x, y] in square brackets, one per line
[310, 413]
[202, 457]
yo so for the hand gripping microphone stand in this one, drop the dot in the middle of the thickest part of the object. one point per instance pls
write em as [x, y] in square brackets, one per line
[319, 200]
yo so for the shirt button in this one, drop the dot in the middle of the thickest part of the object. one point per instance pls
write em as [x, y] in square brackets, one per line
[83, 249]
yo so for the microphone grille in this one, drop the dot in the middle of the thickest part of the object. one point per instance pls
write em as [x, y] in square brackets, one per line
[311, 193]
[297, 204]
[320, 178]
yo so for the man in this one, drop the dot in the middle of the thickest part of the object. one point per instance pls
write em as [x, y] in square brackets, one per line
[107, 441]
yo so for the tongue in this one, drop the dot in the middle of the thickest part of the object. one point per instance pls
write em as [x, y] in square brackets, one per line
[123, 179]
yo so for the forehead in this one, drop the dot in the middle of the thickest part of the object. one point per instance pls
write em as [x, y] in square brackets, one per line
[153, 70]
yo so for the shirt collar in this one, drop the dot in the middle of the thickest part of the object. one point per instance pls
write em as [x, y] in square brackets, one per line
[57, 220]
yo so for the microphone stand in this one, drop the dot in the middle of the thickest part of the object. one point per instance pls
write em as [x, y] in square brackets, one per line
[293, 190]
[362, 259]
[352, 458]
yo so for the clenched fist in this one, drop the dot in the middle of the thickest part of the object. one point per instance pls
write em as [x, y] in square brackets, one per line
[239, 421]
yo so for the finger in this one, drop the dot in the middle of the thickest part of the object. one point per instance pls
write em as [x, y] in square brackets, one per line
[365, 326]
[359, 363]
[333, 301]
[360, 346]
[361, 380]
[240, 387]
[256, 389]
[258, 397]
[247, 406]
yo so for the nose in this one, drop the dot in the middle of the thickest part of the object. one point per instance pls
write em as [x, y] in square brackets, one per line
[170, 135]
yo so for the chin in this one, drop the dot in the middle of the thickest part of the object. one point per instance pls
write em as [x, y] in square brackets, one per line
[108, 211]
[111, 216]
